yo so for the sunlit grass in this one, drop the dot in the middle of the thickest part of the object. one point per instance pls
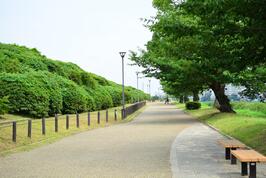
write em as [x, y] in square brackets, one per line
[25, 143]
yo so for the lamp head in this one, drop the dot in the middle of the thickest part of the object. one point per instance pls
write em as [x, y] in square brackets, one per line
[122, 54]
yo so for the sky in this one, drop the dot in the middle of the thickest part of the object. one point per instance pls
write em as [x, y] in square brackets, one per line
[88, 33]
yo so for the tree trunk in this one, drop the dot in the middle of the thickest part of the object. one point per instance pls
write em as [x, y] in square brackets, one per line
[195, 96]
[186, 99]
[216, 104]
[181, 99]
[224, 102]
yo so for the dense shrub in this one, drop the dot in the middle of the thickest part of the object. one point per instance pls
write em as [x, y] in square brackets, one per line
[192, 105]
[26, 95]
[132, 95]
[91, 105]
[4, 105]
[39, 86]
[115, 93]
[15, 58]
[50, 83]
[74, 97]
[101, 97]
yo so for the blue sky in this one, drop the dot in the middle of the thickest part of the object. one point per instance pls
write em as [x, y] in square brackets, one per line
[88, 33]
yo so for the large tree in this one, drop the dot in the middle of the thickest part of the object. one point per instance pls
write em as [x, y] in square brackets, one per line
[205, 43]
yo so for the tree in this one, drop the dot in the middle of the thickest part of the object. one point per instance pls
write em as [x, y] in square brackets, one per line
[199, 44]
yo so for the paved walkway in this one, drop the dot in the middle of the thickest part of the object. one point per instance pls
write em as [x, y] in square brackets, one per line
[137, 149]
[162, 142]
[196, 154]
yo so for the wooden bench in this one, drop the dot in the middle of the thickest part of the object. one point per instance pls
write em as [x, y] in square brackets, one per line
[246, 157]
[231, 145]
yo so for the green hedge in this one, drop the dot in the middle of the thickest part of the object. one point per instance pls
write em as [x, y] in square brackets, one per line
[38, 86]
[191, 105]
[26, 95]
[115, 93]
[4, 105]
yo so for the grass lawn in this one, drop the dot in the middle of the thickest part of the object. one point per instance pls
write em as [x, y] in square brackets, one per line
[25, 143]
[246, 125]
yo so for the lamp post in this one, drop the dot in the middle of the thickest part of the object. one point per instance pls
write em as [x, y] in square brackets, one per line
[150, 87]
[138, 82]
[122, 54]
[137, 73]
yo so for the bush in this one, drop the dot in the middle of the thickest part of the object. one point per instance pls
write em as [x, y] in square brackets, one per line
[4, 105]
[75, 98]
[50, 83]
[116, 94]
[101, 97]
[191, 105]
[26, 94]
[38, 86]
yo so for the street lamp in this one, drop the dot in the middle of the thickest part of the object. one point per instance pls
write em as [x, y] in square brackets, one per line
[150, 87]
[137, 79]
[122, 54]
[138, 83]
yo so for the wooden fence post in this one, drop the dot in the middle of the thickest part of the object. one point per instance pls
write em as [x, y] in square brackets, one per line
[106, 117]
[99, 119]
[123, 113]
[55, 123]
[67, 121]
[14, 131]
[29, 128]
[89, 119]
[77, 119]
[43, 126]
[115, 115]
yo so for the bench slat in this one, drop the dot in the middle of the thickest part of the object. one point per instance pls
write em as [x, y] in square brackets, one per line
[231, 144]
[248, 156]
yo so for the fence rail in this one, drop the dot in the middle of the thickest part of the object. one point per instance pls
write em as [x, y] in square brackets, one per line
[131, 109]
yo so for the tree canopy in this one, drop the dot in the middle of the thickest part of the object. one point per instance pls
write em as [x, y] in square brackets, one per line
[201, 44]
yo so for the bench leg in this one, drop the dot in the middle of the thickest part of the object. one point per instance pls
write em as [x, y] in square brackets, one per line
[252, 170]
[233, 158]
[227, 153]
[244, 168]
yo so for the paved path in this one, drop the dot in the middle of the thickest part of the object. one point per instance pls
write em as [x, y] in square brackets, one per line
[162, 142]
[137, 149]
[196, 154]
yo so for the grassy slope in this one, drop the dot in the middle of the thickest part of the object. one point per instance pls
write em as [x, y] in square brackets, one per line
[247, 126]
[24, 143]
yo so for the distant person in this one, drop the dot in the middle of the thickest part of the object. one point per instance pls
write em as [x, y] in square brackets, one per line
[167, 100]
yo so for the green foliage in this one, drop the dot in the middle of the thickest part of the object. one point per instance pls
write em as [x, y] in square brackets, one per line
[74, 97]
[204, 44]
[14, 58]
[4, 105]
[116, 94]
[38, 86]
[191, 105]
[26, 95]
[102, 97]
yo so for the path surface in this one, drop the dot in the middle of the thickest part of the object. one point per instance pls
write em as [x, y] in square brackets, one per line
[137, 149]
[196, 154]
[162, 142]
